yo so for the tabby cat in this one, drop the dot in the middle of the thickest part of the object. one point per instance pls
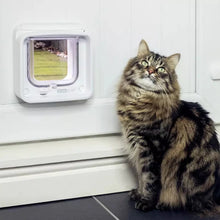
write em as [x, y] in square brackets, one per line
[172, 144]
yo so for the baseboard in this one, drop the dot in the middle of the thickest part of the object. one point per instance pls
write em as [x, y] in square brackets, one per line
[59, 151]
[28, 185]
[63, 169]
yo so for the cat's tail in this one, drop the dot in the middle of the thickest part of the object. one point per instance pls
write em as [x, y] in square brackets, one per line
[216, 197]
[214, 208]
[204, 206]
[216, 193]
[214, 211]
[211, 209]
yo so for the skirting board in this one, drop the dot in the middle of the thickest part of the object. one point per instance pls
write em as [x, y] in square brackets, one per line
[64, 181]
[60, 151]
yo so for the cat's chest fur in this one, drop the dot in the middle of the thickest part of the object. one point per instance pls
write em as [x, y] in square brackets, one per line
[153, 136]
[146, 120]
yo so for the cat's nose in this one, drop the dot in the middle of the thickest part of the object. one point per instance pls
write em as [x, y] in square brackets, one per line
[150, 70]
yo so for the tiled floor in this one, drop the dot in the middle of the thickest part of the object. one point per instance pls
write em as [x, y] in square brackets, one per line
[105, 207]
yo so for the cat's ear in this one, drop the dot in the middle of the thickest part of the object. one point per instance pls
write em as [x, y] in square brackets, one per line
[143, 48]
[173, 60]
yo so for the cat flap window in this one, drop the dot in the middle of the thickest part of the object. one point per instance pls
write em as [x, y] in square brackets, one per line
[52, 62]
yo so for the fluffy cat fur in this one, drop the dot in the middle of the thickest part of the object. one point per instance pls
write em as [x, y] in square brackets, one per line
[172, 144]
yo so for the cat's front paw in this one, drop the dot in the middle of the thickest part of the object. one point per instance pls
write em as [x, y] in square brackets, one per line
[144, 205]
[161, 206]
[134, 195]
[164, 207]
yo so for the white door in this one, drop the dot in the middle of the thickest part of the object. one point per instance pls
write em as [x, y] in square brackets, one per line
[208, 56]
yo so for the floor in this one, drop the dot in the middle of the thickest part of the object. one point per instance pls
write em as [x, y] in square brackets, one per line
[105, 207]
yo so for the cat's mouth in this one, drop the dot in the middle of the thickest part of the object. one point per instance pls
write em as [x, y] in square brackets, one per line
[147, 83]
[151, 77]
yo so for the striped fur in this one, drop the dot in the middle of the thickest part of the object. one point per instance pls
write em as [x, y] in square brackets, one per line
[172, 144]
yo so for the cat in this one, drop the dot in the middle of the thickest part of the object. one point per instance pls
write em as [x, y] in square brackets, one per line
[172, 144]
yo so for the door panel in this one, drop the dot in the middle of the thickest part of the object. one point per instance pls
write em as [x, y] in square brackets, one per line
[208, 56]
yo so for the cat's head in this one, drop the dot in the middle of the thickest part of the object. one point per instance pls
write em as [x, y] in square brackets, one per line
[151, 71]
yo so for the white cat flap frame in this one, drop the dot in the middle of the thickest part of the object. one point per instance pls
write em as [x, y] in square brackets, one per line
[76, 82]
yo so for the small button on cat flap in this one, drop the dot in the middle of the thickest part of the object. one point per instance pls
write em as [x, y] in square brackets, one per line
[52, 63]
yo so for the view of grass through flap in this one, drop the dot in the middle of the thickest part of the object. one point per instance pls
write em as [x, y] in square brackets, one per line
[49, 66]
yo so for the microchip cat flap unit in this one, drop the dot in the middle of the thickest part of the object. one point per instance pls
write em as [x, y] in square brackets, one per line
[52, 63]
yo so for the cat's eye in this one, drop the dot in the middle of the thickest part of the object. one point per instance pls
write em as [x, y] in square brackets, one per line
[161, 69]
[144, 63]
